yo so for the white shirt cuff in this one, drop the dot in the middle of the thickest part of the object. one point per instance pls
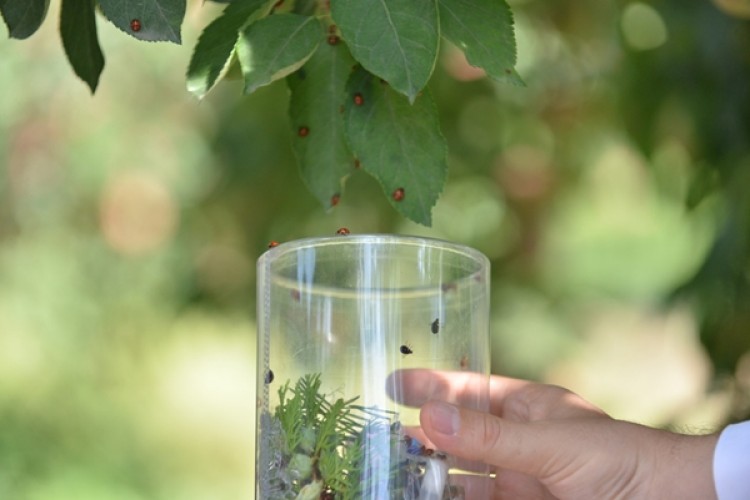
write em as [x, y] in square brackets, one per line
[732, 463]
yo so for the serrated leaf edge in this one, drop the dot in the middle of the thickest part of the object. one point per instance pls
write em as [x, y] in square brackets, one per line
[258, 14]
[178, 35]
[249, 89]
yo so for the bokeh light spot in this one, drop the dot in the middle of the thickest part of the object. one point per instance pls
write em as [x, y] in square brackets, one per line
[643, 27]
[138, 213]
[456, 65]
[736, 8]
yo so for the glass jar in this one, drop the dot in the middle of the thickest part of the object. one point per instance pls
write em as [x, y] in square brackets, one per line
[354, 334]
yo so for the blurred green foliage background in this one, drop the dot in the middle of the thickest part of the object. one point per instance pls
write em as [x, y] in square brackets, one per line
[609, 193]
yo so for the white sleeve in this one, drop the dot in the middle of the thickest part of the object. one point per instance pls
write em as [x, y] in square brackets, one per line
[732, 463]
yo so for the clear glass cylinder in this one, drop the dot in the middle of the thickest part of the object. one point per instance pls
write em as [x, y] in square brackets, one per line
[354, 334]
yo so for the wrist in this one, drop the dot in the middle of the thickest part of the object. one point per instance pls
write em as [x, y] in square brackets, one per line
[683, 467]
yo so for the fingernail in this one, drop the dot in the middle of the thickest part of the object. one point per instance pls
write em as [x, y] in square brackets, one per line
[445, 418]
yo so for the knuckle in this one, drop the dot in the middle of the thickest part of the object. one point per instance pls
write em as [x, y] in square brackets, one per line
[490, 437]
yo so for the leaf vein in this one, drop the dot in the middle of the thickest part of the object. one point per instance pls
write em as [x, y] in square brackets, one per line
[407, 71]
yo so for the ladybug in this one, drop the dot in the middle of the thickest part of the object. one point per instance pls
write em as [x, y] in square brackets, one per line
[303, 131]
[358, 99]
[342, 231]
[135, 25]
[333, 40]
[273, 244]
[335, 199]
[269, 376]
[398, 194]
[405, 350]
[435, 327]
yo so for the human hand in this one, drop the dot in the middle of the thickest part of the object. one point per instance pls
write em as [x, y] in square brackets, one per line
[547, 442]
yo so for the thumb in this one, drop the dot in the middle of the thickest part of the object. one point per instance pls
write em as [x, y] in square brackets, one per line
[533, 448]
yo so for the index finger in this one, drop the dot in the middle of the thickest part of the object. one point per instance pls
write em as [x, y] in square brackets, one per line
[414, 387]
[502, 396]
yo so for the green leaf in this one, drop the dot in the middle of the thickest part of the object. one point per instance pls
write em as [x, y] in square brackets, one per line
[318, 92]
[398, 143]
[149, 20]
[483, 29]
[396, 40]
[78, 32]
[276, 46]
[23, 17]
[215, 47]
